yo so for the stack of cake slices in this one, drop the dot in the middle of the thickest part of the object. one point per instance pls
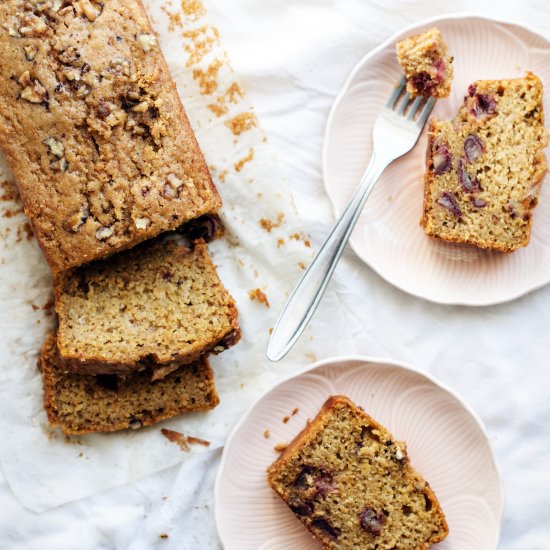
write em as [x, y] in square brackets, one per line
[134, 332]
[108, 169]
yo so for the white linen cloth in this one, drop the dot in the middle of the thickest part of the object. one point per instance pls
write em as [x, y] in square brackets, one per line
[292, 58]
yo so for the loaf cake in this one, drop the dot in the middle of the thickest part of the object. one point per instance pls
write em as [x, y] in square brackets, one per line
[484, 169]
[92, 127]
[148, 307]
[81, 404]
[351, 484]
[427, 65]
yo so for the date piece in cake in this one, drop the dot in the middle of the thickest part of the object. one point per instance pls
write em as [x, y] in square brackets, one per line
[426, 63]
[93, 129]
[148, 307]
[81, 404]
[350, 483]
[484, 169]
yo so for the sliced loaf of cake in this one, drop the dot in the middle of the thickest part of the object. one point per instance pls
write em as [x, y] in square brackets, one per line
[80, 404]
[351, 484]
[154, 306]
[484, 169]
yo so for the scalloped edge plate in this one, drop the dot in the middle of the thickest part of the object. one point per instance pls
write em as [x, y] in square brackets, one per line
[446, 440]
[388, 237]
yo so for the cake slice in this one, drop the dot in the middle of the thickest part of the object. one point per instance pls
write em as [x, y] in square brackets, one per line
[427, 65]
[350, 483]
[484, 169]
[150, 307]
[81, 404]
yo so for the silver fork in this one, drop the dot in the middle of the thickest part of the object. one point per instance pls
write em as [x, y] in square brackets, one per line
[395, 132]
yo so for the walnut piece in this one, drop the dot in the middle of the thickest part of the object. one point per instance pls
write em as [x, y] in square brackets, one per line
[56, 147]
[91, 11]
[30, 52]
[142, 223]
[171, 187]
[76, 220]
[147, 41]
[33, 92]
[104, 233]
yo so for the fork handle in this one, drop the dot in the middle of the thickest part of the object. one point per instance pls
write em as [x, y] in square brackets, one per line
[305, 298]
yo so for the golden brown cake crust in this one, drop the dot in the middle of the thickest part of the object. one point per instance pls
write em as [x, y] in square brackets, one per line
[484, 169]
[150, 307]
[351, 484]
[81, 404]
[93, 129]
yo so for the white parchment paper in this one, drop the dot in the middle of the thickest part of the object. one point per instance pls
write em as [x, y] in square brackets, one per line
[263, 248]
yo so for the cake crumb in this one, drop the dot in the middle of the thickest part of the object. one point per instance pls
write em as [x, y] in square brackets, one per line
[294, 411]
[267, 434]
[208, 79]
[301, 237]
[280, 242]
[281, 446]
[268, 225]
[258, 294]
[222, 175]
[217, 109]
[163, 536]
[198, 441]
[286, 419]
[35, 307]
[312, 357]
[193, 9]
[174, 19]
[302, 265]
[271, 330]
[242, 122]
[239, 164]
[202, 41]
[183, 441]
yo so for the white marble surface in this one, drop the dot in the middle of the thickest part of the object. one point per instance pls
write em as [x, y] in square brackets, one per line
[293, 57]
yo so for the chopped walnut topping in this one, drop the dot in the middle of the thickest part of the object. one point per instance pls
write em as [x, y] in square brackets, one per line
[25, 79]
[73, 74]
[30, 52]
[121, 65]
[91, 11]
[12, 31]
[141, 107]
[91, 79]
[142, 223]
[76, 220]
[147, 41]
[34, 26]
[34, 93]
[83, 91]
[56, 6]
[69, 56]
[60, 165]
[56, 147]
[104, 233]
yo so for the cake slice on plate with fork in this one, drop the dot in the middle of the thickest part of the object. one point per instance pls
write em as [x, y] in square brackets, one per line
[484, 169]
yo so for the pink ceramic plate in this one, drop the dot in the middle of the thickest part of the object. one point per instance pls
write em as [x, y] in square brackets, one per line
[445, 439]
[388, 236]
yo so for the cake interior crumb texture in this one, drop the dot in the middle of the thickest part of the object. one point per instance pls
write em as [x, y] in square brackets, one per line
[93, 129]
[80, 404]
[151, 306]
[427, 65]
[484, 169]
[351, 484]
